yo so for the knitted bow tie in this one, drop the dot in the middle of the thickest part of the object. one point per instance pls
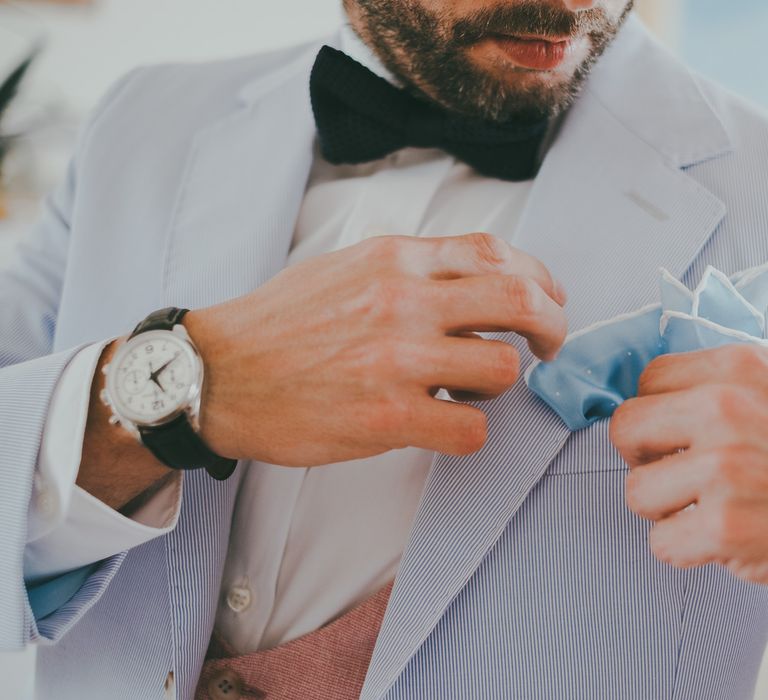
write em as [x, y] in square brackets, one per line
[361, 117]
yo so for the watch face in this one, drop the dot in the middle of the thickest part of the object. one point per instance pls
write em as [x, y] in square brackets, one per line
[154, 377]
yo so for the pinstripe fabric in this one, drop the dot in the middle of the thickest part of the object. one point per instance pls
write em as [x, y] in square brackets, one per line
[570, 604]
[25, 391]
[30, 289]
[525, 575]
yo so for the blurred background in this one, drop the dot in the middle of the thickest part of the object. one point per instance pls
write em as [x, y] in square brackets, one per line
[84, 45]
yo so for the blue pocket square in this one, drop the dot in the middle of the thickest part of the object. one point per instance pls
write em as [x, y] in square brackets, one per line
[599, 367]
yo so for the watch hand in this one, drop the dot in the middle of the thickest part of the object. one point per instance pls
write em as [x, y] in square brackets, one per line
[154, 375]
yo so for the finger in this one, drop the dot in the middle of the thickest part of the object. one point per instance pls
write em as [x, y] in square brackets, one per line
[475, 254]
[716, 530]
[447, 427]
[753, 572]
[502, 303]
[645, 429]
[685, 539]
[734, 363]
[657, 490]
[487, 367]
[458, 394]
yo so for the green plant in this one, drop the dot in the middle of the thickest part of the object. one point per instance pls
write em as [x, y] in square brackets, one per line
[8, 91]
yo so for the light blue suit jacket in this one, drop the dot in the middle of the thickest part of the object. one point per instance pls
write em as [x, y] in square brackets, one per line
[525, 575]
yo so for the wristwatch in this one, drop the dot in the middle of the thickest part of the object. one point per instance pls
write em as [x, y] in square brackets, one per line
[154, 387]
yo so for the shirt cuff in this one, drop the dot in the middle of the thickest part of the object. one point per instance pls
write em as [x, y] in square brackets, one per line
[68, 527]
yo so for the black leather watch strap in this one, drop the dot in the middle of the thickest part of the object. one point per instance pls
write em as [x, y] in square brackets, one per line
[162, 320]
[176, 443]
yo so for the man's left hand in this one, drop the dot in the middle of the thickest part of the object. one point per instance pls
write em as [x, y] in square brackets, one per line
[696, 441]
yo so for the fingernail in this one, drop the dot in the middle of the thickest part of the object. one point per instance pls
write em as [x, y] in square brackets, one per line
[562, 297]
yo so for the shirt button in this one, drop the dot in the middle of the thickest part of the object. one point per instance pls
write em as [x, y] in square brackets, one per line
[239, 599]
[46, 504]
[225, 685]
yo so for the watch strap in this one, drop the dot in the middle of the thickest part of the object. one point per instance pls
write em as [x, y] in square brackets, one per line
[176, 444]
[162, 320]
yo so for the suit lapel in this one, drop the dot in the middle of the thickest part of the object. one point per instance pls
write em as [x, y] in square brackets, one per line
[231, 231]
[609, 207]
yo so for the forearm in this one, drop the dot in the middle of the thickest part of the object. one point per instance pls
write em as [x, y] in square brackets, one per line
[115, 467]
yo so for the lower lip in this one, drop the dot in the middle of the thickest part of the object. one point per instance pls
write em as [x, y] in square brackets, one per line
[535, 54]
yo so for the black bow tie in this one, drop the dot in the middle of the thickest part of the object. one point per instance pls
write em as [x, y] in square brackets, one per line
[361, 117]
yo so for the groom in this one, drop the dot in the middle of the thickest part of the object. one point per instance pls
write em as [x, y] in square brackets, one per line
[309, 208]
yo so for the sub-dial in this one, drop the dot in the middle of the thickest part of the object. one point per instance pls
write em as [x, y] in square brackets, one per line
[134, 382]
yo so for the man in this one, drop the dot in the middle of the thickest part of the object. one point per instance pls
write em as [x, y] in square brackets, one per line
[518, 569]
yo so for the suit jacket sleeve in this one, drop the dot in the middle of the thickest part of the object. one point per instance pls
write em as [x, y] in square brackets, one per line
[30, 289]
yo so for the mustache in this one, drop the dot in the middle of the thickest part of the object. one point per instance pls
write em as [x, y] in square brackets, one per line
[528, 18]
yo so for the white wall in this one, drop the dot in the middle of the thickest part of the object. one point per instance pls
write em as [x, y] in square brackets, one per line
[90, 46]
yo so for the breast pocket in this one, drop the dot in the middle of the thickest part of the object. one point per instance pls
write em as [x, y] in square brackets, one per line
[588, 451]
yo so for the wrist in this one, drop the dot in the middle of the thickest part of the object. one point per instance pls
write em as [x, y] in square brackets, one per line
[114, 467]
[202, 329]
[154, 387]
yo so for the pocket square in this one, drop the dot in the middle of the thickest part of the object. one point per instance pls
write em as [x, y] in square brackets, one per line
[599, 366]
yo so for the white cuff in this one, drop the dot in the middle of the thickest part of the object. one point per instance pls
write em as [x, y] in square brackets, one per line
[93, 531]
[68, 527]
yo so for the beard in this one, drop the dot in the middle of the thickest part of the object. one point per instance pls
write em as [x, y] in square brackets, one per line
[428, 52]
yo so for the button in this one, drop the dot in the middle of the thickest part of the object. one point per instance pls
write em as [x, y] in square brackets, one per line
[46, 502]
[225, 685]
[239, 599]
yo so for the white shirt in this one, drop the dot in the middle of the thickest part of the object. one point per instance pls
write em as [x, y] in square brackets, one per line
[306, 544]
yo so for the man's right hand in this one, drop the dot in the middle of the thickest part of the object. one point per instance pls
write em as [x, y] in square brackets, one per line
[339, 357]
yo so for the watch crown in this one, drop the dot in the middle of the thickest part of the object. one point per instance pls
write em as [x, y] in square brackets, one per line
[105, 369]
[104, 397]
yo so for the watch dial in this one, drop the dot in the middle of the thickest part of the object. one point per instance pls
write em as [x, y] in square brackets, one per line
[153, 377]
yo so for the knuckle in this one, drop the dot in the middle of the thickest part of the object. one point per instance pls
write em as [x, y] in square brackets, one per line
[618, 429]
[747, 360]
[387, 358]
[726, 402]
[650, 374]
[474, 433]
[632, 492]
[724, 525]
[383, 248]
[523, 294]
[562, 328]
[386, 299]
[389, 416]
[506, 369]
[657, 546]
[489, 249]
[730, 466]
